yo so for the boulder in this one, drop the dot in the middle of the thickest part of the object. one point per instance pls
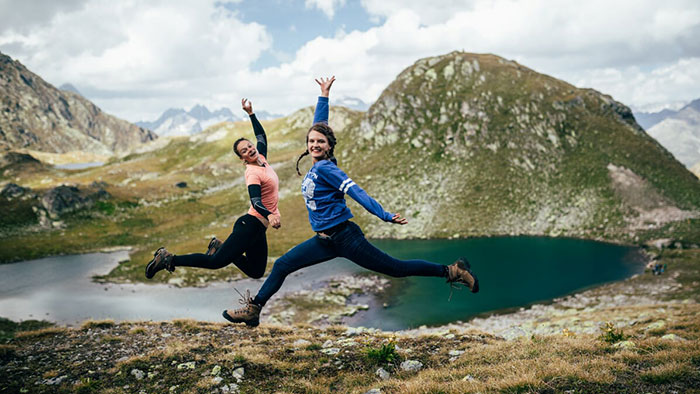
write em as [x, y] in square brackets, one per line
[411, 365]
[382, 374]
[661, 243]
[12, 190]
[138, 374]
[64, 199]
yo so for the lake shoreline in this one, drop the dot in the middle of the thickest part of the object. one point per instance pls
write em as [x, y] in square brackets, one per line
[335, 298]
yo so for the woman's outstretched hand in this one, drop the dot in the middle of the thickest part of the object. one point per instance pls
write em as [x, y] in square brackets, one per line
[247, 106]
[398, 219]
[325, 85]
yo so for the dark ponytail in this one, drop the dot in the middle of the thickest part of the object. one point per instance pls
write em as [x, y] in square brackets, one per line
[326, 130]
[306, 152]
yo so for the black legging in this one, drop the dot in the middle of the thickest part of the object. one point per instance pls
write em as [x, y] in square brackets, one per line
[248, 236]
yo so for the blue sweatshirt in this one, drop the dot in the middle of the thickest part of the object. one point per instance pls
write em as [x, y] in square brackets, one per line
[325, 185]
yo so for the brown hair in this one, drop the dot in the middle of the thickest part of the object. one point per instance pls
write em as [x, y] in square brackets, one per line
[326, 130]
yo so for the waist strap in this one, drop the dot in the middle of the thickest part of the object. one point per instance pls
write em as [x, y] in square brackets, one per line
[335, 229]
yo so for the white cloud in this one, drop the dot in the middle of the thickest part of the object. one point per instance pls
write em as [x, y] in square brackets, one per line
[328, 7]
[137, 59]
[22, 16]
[665, 87]
[182, 51]
[430, 12]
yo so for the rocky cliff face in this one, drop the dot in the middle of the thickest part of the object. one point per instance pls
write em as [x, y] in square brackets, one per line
[469, 144]
[35, 115]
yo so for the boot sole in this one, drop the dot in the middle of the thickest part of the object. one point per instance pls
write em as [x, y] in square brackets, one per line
[252, 323]
[150, 263]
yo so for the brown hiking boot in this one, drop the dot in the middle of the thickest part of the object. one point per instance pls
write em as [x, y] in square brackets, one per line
[162, 260]
[214, 245]
[460, 272]
[249, 314]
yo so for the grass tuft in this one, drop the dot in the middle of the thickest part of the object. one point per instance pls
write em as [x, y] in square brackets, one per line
[386, 354]
[44, 332]
[610, 335]
[666, 373]
[89, 324]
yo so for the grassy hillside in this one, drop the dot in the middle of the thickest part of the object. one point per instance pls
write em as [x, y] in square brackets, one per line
[505, 150]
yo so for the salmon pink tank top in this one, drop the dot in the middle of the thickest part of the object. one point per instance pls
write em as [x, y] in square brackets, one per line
[266, 177]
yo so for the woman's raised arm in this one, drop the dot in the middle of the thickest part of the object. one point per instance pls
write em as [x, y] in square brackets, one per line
[321, 113]
[257, 127]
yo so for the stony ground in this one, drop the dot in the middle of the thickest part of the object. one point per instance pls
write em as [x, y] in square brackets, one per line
[639, 335]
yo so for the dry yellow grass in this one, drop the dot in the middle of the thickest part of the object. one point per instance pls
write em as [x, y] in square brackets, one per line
[88, 324]
[49, 331]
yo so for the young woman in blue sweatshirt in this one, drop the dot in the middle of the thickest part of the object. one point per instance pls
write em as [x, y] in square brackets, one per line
[324, 189]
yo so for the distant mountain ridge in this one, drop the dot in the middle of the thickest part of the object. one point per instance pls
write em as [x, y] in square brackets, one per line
[36, 115]
[649, 119]
[70, 88]
[178, 122]
[680, 133]
[352, 103]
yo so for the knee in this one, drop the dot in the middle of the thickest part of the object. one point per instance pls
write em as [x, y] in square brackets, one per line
[282, 266]
[217, 261]
[258, 273]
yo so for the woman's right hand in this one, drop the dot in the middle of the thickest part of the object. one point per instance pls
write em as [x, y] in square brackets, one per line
[325, 85]
[247, 106]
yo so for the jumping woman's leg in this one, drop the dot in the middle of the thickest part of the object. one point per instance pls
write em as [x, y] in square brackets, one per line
[352, 244]
[310, 252]
[245, 230]
[254, 261]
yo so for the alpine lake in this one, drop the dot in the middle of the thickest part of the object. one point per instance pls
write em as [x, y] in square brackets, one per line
[513, 272]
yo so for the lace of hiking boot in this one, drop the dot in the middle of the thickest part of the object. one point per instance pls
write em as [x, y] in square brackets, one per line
[453, 278]
[454, 286]
[245, 300]
[167, 260]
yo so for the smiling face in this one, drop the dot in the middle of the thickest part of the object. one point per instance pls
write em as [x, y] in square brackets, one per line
[318, 146]
[247, 151]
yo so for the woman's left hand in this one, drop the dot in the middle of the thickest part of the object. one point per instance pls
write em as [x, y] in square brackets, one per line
[398, 219]
[325, 85]
[275, 221]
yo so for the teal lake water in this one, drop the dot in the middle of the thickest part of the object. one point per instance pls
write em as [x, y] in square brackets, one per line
[512, 272]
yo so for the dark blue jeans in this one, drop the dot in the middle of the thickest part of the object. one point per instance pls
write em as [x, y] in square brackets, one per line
[350, 243]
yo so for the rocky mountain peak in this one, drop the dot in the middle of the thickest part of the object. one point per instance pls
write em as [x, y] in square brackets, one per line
[519, 150]
[200, 112]
[694, 105]
[36, 115]
[461, 99]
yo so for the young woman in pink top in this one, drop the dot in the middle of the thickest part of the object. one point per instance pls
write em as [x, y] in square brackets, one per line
[246, 247]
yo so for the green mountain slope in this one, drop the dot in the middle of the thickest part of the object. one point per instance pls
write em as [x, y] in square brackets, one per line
[478, 145]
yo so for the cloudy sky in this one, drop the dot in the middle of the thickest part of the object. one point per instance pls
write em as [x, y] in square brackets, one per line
[136, 58]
